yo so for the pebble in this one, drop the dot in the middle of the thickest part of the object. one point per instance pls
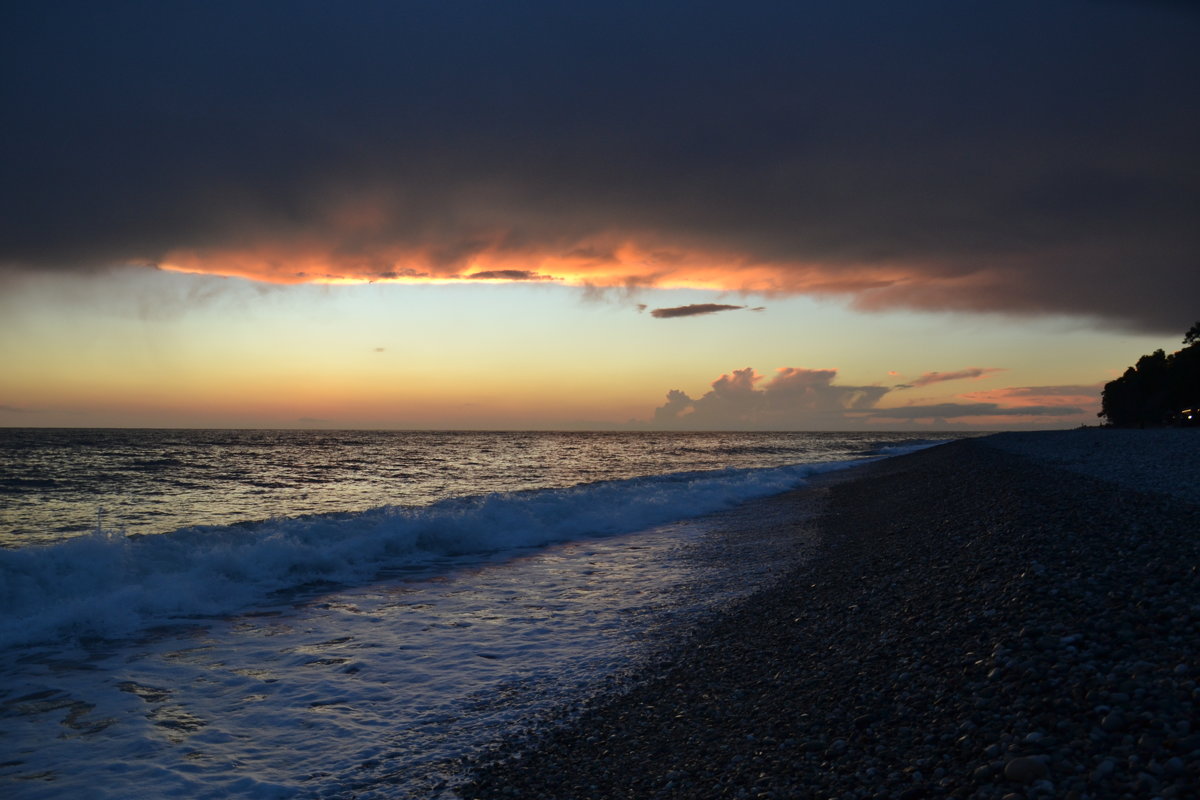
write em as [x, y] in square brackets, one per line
[1069, 686]
[1113, 721]
[1024, 769]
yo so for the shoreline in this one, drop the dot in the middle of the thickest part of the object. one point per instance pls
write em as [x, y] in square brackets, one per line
[974, 623]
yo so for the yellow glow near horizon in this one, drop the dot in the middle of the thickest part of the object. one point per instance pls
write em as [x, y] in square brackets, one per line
[159, 348]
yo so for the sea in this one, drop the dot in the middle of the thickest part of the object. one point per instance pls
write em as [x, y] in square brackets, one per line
[351, 614]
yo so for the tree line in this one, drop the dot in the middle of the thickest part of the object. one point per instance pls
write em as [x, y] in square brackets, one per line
[1159, 390]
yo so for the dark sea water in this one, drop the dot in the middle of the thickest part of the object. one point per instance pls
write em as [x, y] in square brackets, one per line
[55, 482]
[262, 613]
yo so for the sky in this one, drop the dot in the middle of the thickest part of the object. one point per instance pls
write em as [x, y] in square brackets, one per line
[546, 215]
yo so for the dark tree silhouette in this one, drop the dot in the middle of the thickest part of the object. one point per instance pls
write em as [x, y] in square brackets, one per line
[1160, 389]
[1193, 334]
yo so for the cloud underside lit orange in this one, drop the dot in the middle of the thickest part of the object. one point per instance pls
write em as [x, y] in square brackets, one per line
[594, 262]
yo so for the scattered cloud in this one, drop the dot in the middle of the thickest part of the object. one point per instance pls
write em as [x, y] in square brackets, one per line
[509, 275]
[794, 398]
[400, 274]
[798, 398]
[1087, 397]
[693, 310]
[959, 410]
[628, 293]
[938, 377]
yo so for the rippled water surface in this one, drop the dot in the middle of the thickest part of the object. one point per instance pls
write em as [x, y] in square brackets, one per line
[57, 483]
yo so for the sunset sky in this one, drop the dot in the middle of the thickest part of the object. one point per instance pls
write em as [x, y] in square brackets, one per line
[825, 215]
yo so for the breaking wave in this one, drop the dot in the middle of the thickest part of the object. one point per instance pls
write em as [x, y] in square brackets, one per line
[107, 584]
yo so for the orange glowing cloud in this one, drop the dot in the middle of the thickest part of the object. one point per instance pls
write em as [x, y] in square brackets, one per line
[1032, 405]
[1042, 396]
[349, 248]
[628, 266]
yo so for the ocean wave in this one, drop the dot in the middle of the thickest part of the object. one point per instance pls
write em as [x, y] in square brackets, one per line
[902, 449]
[107, 584]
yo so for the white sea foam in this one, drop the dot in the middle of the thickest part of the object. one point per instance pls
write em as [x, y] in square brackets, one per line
[909, 447]
[107, 584]
[371, 691]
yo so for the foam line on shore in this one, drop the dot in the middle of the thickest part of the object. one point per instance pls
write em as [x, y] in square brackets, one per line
[108, 584]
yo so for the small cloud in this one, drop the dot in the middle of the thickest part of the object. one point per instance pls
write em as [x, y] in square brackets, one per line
[13, 409]
[313, 421]
[380, 350]
[509, 275]
[625, 292]
[691, 311]
[1018, 396]
[395, 274]
[1052, 391]
[970, 372]
[641, 307]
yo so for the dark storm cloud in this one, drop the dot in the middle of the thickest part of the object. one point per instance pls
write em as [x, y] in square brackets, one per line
[692, 310]
[1021, 157]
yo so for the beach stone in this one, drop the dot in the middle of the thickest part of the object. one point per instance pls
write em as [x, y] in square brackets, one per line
[874, 657]
[1024, 769]
[1113, 721]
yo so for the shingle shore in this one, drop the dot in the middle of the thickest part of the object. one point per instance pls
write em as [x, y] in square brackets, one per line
[975, 623]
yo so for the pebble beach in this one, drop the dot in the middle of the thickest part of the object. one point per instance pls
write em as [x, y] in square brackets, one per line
[1010, 617]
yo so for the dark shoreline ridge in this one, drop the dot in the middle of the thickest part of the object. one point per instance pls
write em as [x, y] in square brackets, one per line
[975, 623]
